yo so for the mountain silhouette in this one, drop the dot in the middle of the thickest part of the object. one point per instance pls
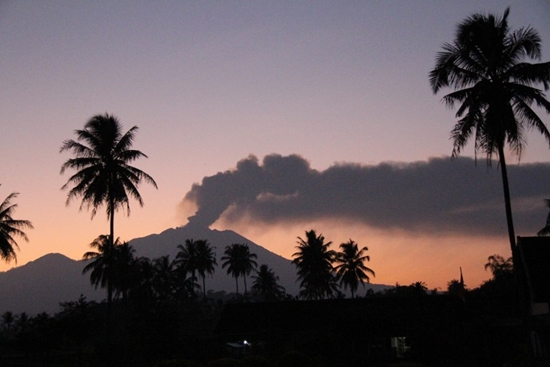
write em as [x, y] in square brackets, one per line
[166, 243]
[40, 285]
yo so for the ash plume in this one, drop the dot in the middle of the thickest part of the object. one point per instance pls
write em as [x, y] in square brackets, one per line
[437, 195]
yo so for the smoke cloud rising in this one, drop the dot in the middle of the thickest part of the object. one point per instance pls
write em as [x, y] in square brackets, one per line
[438, 195]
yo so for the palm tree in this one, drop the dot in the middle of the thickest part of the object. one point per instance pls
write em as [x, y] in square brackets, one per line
[125, 269]
[115, 271]
[266, 284]
[163, 277]
[239, 262]
[102, 267]
[314, 265]
[494, 88]
[351, 269]
[141, 289]
[9, 228]
[185, 288]
[186, 258]
[206, 261]
[193, 257]
[104, 175]
[546, 230]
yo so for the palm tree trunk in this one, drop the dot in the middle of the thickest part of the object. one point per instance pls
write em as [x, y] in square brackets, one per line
[237, 284]
[507, 201]
[111, 250]
[521, 305]
[110, 270]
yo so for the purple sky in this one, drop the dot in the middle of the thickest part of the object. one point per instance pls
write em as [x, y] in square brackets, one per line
[209, 83]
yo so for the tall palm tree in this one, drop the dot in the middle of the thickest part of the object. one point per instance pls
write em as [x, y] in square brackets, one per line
[9, 228]
[494, 88]
[266, 284]
[313, 261]
[104, 175]
[546, 230]
[206, 261]
[351, 268]
[239, 262]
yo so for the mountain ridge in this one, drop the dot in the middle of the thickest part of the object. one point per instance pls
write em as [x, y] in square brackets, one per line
[41, 284]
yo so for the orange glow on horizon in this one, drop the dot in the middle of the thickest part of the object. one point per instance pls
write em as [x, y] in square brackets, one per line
[396, 257]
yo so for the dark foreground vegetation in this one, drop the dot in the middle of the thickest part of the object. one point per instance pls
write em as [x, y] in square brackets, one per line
[402, 325]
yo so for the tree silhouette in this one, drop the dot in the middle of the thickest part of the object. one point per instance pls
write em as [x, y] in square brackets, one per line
[8, 319]
[502, 286]
[141, 289]
[494, 88]
[499, 267]
[125, 269]
[104, 175]
[196, 257]
[239, 262]
[9, 228]
[116, 271]
[313, 261]
[456, 288]
[22, 322]
[164, 278]
[266, 285]
[186, 257]
[206, 261]
[185, 287]
[102, 268]
[351, 268]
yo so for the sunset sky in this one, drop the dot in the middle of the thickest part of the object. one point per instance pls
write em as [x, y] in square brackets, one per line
[298, 115]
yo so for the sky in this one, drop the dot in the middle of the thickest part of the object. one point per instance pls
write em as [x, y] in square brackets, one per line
[268, 118]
